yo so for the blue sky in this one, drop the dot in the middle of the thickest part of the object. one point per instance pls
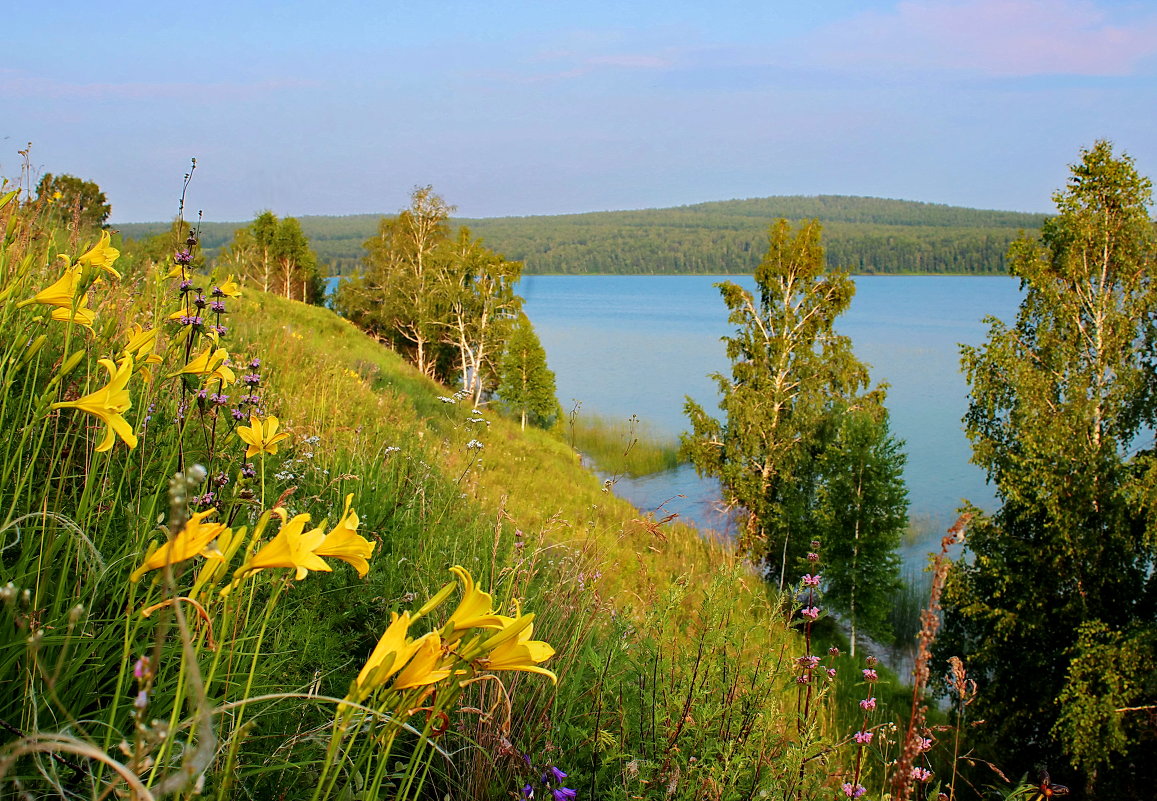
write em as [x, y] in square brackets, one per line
[550, 107]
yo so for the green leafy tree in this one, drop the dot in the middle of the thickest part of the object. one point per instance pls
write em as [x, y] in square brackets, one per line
[276, 255]
[70, 198]
[403, 293]
[482, 307]
[526, 384]
[792, 376]
[862, 516]
[1062, 575]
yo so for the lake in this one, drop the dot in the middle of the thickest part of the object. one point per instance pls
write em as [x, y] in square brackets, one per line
[636, 345]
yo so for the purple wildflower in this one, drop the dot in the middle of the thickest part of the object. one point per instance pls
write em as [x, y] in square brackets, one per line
[217, 306]
[217, 293]
[808, 662]
[255, 364]
[251, 379]
[554, 774]
[248, 470]
[202, 394]
[219, 330]
[854, 790]
[238, 414]
[833, 651]
[527, 791]
[862, 737]
[813, 557]
[810, 612]
[142, 700]
[141, 668]
[868, 704]
[811, 581]
[182, 257]
[563, 794]
[185, 285]
[921, 774]
[924, 744]
[870, 675]
[831, 673]
[200, 301]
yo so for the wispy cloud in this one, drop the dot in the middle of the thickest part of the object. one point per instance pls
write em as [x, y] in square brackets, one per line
[991, 37]
[16, 83]
[561, 65]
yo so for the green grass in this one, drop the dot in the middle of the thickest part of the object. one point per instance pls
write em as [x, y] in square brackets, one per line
[620, 447]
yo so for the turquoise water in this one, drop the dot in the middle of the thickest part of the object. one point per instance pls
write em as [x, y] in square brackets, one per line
[623, 345]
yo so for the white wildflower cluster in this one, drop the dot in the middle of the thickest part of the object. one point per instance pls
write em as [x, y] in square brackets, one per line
[391, 449]
[477, 419]
[473, 445]
[444, 399]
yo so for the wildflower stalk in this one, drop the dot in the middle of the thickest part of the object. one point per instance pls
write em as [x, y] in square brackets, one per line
[235, 741]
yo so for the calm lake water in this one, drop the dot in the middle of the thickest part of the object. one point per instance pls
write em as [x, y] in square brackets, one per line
[636, 345]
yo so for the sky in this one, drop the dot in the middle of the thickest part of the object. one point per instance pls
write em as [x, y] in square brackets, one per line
[510, 108]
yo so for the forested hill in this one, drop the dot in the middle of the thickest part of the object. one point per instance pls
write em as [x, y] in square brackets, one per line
[866, 235]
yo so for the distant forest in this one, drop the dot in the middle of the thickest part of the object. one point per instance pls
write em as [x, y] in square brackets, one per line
[864, 235]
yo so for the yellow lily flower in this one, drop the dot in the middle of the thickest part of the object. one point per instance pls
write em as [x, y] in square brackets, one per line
[344, 543]
[102, 255]
[520, 652]
[193, 539]
[422, 669]
[61, 293]
[292, 547]
[81, 315]
[229, 288]
[109, 404]
[475, 610]
[392, 652]
[140, 343]
[205, 363]
[261, 437]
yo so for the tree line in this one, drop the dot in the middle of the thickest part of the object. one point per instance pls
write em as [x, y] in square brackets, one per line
[865, 235]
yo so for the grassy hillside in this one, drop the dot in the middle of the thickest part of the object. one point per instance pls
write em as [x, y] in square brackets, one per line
[866, 235]
[172, 627]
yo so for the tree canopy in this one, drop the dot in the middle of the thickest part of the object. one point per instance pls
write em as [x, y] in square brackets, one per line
[793, 379]
[1059, 597]
[276, 256]
[68, 198]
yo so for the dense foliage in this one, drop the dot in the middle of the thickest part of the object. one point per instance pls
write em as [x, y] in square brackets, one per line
[72, 202]
[441, 299]
[276, 256]
[1055, 611]
[797, 446]
[864, 235]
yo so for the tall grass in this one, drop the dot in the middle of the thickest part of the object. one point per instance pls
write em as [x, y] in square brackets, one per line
[621, 447]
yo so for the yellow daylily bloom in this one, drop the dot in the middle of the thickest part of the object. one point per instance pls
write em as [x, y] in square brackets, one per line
[261, 437]
[229, 288]
[475, 610]
[520, 652]
[81, 315]
[205, 363]
[61, 293]
[292, 547]
[109, 404]
[392, 652]
[193, 539]
[344, 543]
[102, 255]
[423, 667]
[140, 343]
